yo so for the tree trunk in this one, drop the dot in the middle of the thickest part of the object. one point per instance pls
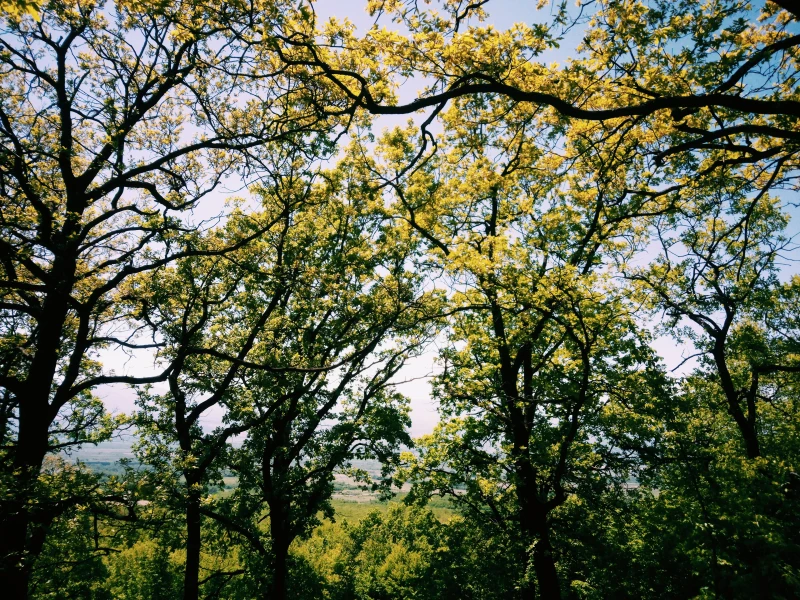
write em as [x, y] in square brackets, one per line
[536, 530]
[752, 446]
[15, 522]
[191, 576]
[17, 548]
[280, 571]
[544, 563]
[14, 571]
[745, 423]
[281, 540]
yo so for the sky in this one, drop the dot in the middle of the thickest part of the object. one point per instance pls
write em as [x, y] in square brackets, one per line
[503, 13]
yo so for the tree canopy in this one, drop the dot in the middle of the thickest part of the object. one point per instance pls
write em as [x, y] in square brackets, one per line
[211, 189]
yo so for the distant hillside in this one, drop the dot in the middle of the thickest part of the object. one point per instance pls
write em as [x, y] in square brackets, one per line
[105, 452]
[112, 451]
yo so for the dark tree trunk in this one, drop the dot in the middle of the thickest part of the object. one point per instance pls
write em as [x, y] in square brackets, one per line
[544, 563]
[745, 422]
[191, 577]
[528, 592]
[19, 546]
[15, 523]
[281, 572]
[536, 532]
[750, 436]
[14, 571]
[281, 540]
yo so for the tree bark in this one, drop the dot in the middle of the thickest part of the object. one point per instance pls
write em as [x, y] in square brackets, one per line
[745, 423]
[544, 563]
[35, 417]
[191, 576]
[14, 571]
[281, 573]
[15, 523]
[536, 532]
[281, 540]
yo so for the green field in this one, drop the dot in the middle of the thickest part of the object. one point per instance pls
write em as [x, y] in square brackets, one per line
[356, 511]
[357, 504]
[350, 502]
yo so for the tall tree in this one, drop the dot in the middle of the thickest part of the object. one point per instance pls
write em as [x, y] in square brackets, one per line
[206, 314]
[720, 252]
[295, 337]
[541, 342]
[358, 311]
[115, 121]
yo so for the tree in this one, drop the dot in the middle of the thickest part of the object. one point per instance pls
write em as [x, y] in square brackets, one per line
[717, 268]
[206, 315]
[355, 316]
[296, 337]
[712, 81]
[541, 344]
[145, 570]
[398, 555]
[115, 122]
[707, 519]
[520, 458]
[672, 126]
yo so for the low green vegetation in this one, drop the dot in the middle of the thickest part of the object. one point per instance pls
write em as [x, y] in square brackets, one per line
[354, 511]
